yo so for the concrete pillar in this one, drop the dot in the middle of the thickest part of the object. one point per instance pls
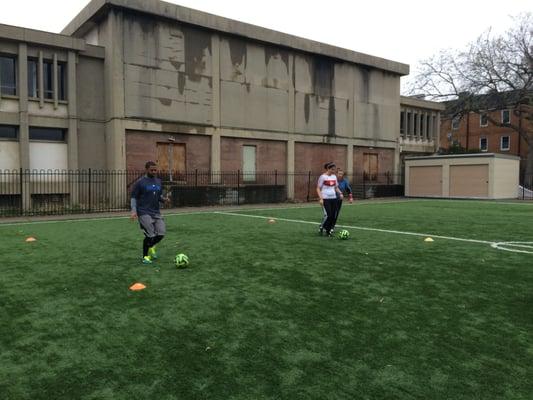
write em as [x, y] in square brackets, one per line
[114, 83]
[215, 46]
[40, 79]
[24, 129]
[72, 140]
[55, 82]
[215, 156]
[349, 160]
[290, 169]
[292, 98]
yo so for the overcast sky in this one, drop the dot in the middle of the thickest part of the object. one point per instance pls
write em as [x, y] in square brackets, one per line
[400, 30]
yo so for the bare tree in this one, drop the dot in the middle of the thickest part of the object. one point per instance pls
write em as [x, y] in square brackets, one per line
[499, 67]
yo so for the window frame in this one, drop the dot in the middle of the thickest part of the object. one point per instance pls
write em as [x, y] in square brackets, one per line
[249, 176]
[481, 115]
[63, 130]
[509, 115]
[508, 143]
[11, 139]
[456, 123]
[15, 75]
[33, 94]
[486, 143]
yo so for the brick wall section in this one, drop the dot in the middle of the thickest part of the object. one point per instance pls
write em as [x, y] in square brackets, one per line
[270, 155]
[385, 159]
[142, 146]
[492, 132]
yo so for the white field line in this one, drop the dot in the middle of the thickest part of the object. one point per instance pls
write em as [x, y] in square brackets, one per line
[496, 245]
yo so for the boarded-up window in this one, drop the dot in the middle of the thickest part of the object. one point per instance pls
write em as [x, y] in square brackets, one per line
[248, 163]
[370, 166]
[171, 157]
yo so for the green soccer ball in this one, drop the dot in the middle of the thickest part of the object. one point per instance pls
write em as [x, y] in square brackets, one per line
[182, 260]
[344, 234]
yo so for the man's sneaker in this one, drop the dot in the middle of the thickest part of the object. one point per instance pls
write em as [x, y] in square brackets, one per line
[147, 260]
[152, 253]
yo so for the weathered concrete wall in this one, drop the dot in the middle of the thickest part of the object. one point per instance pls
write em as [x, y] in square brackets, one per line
[270, 155]
[91, 113]
[167, 70]
[254, 87]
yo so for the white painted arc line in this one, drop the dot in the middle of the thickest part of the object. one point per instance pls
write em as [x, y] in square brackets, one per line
[499, 246]
[363, 228]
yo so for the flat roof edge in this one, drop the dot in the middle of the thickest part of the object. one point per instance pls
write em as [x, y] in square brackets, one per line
[21, 34]
[229, 26]
[471, 155]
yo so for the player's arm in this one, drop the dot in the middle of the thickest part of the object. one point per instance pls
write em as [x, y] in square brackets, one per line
[338, 191]
[319, 193]
[133, 201]
[349, 190]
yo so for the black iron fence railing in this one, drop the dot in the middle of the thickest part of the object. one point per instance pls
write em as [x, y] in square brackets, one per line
[24, 192]
[525, 189]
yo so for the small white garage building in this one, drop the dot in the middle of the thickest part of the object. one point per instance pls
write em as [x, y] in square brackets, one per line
[479, 176]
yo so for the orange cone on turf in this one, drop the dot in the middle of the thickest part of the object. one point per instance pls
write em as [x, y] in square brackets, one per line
[137, 286]
[31, 239]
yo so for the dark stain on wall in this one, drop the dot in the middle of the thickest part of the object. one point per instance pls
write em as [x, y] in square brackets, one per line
[324, 71]
[331, 116]
[196, 43]
[365, 88]
[237, 50]
[306, 108]
[165, 102]
[272, 52]
[181, 82]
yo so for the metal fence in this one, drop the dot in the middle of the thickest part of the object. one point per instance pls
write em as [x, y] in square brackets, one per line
[24, 192]
[525, 189]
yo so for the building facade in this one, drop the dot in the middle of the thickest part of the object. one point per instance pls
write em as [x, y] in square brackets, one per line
[130, 80]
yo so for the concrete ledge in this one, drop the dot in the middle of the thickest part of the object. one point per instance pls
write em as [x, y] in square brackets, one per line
[85, 20]
[19, 34]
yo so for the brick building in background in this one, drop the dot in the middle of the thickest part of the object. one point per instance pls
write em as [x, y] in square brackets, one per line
[489, 130]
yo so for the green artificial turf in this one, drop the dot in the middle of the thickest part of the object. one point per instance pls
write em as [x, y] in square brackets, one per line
[272, 311]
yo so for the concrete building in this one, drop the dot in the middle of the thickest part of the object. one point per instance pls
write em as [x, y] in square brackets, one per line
[131, 80]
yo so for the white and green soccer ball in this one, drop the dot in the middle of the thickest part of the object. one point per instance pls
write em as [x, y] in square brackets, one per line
[182, 260]
[344, 234]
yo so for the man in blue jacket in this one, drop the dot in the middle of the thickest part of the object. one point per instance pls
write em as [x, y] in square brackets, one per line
[346, 190]
[146, 196]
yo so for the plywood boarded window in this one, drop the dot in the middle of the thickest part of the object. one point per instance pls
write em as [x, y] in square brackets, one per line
[171, 157]
[248, 163]
[370, 166]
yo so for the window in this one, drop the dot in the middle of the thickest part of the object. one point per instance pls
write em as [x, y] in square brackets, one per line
[483, 119]
[483, 144]
[248, 163]
[506, 117]
[61, 77]
[48, 76]
[455, 122]
[8, 74]
[33, 87]
[8, 132]
[505, 143]
[402, 121]
[48, 134]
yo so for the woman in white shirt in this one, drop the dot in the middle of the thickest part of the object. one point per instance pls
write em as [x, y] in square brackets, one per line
[327, 190]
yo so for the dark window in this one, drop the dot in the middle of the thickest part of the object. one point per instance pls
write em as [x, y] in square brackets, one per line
[483, 144]
[402, 121]
[61, 77]
[505, 143]
[8, 81]
[51, 134]
[8, 132]
[455, 122]
[506, 117]
[48, 81]
[33, 87]
[483, 120]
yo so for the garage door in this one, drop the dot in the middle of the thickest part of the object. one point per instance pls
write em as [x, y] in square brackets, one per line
[425, 181]
[469, 180]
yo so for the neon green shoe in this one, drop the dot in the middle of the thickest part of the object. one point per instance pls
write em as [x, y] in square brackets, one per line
[152, 253]
[147, 260]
